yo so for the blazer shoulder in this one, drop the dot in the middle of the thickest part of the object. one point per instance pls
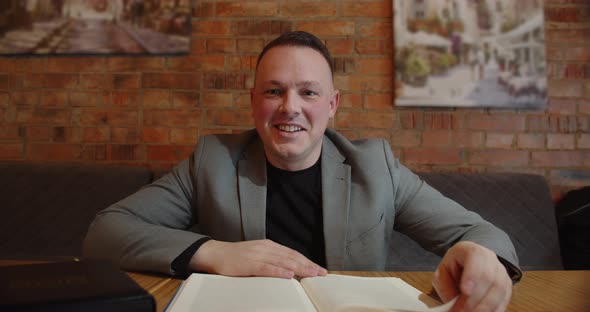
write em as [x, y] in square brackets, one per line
[216, 146]
[357, 148]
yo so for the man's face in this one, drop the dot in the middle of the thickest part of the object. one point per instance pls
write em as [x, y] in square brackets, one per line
[292, 101]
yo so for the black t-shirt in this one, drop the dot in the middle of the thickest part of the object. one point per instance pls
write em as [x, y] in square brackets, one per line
[294, 210]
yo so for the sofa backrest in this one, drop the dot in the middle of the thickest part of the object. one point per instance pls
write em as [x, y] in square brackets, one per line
[46, 208]
[518, 203]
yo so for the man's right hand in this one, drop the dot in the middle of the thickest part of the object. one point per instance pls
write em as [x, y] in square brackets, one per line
[253, 258]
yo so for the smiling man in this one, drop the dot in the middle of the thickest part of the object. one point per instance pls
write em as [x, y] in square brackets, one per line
[293, 197]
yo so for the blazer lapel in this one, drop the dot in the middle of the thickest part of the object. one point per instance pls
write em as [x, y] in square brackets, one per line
[252, 190]
[335, 203]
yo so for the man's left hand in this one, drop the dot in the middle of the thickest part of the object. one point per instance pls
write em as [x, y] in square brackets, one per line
[474, 274]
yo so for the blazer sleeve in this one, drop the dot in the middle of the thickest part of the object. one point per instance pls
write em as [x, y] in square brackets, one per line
[437, 222]
[149, 229]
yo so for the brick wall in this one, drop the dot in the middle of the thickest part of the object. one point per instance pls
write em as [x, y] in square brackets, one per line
[151, 110]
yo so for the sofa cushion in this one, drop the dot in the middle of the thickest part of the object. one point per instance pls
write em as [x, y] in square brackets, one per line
[520, 204]
[46, 208]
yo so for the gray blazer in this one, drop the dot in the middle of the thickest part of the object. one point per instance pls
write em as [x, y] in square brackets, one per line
[366, 195]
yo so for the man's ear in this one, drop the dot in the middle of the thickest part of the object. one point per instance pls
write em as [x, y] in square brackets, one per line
[334, 102]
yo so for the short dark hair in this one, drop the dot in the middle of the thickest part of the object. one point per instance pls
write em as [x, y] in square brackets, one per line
[299, 39]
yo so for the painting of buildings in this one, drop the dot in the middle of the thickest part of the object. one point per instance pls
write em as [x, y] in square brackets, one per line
[470, 53]
[94, 26]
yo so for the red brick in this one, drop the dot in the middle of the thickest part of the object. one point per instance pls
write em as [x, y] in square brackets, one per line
[125, 81]
[172, 118]
[562, 106]
[229, 117]
[351, 100]
[29, 64]
[406, 138]
[383, 102]
[435, 156]
[468, 138]
[43, 116]
[242, 100]
[54, 98]
[75, 64]
[97, 134]
[564, 88]
[56, 151]
[115, 117]
[155, 135]
[340, 46]
[241, 63]
[561, 141]
[436, 138]
[9, 132]
[156, 99]
[579, 54]
[567, 14]
[366, 8]
[553, 159]
[173, 153]
[184, 136]
[412, 119]
[95, 81]
[221, 45]
[495, 122]
[125, 152]
[552, 123]
[185, 100]
[376, 83]
[442, 120]
[217, 99]
[198, 62]
[376, 28]
[500, 140]
[307, 9]
[53, 80]
[505, 158]
[203, 8]
[25, 98]
[250, 45]
[4, 81]
[210, 27]
[133, 63]
[531, 140]
[37, 133]
[348, 83]
[66, 134]
[344, 65]
[124, 135]
[11, 151]
[123, 98]
[81, 99]
[170, 80]
[584, 141]
[328, 28]
[7, 64]
[224, 81]
[371, 120]
[198, 47]
[376, 133]
[93, 152]
[245, 9]
[373, 46]
[4, 99]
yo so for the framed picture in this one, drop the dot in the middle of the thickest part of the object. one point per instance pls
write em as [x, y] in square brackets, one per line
[470, 53]
[94, 26]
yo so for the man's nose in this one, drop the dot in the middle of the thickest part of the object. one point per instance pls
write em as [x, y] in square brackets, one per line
[291, 103]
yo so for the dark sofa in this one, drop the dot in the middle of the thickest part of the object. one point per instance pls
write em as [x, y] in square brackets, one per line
[46, 210]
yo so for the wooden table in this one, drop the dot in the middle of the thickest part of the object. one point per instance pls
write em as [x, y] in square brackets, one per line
[537, 291]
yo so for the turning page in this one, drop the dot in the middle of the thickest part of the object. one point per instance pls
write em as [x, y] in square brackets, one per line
[204, 292]
[341, 293]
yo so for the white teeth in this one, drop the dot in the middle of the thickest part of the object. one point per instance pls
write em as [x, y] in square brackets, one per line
[289, 128]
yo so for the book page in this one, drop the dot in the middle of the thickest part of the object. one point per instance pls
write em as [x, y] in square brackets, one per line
[340, 293]
[205, 292]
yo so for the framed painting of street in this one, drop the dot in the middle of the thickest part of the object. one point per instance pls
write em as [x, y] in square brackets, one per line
[470, 53]
[95, 27]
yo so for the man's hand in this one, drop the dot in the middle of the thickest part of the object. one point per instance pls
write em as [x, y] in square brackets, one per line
[475, 274]
[253, 258]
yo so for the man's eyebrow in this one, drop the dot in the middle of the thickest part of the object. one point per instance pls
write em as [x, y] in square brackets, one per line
[309, 83]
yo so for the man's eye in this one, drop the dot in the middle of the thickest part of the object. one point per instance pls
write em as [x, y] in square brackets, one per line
[272, 92]
[309, 93]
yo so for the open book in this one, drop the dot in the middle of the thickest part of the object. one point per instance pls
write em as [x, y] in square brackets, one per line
[203, 292]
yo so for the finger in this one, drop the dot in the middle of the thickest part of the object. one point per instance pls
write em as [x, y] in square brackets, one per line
[445, 283]
[293, 260]
[498, 295]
